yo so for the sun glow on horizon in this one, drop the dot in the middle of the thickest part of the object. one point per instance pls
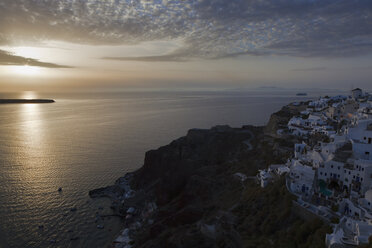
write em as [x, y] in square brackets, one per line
[29, 95]
[26, 70]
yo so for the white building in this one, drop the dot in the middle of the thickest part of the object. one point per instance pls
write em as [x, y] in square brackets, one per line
[321, 153]
[354, 175]
[301, 178]
[278, 169]
[361, 137]
[264, 178]
[363, 232]
[342, 110]
[300, 150]
[344, 164]
[310, 124]
[319, 105]
[357, 93]
[366, 202]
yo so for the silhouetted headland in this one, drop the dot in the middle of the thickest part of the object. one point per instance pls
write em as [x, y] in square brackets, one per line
[200, 190]
[25, 101]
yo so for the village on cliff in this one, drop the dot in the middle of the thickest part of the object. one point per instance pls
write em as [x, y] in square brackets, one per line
[331, 175]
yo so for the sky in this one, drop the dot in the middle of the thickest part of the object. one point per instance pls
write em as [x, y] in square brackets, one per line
[125, 44]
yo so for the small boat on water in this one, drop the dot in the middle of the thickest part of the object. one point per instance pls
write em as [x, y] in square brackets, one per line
[301, 94]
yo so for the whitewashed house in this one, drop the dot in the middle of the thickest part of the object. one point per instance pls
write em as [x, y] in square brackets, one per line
[331, 170]
[310, 124]
[278, 169]
[363, 232]
[342, 110]
[366, 202]
[319, 105]
[357, 93]
[361, 137]
[264, 177]
[301, 178]
[300, 150]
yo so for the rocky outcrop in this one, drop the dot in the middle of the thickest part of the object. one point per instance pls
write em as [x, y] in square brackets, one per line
[181, 196]
[279, 120]
[169, 169]
[189, 179]
[109, 191]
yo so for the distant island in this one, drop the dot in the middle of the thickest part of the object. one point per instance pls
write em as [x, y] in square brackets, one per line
[25, 101]
[301, 94]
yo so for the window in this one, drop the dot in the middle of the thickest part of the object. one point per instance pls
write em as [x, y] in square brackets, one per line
[331, 166]
[344, 171]
[325, 174]
[362, 169]
[321, 173]
[354, 176]
[338, 167]
[349, 172]
[331, 174]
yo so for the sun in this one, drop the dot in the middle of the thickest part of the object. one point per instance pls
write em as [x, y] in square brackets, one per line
[29, 95]
[26, 70]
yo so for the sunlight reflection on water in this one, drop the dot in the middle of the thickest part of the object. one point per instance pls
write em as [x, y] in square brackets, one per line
[82, 142]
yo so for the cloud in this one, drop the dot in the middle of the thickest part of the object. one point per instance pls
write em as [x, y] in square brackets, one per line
[7, 58]
[183, 55]
[159, 58]
[334, 69]
[209, 29]
[310, 69]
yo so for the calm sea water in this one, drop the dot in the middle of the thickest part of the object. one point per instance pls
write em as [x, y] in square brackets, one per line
[86, 141]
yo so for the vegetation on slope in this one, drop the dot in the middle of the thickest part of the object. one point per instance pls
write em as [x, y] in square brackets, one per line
[266, 219]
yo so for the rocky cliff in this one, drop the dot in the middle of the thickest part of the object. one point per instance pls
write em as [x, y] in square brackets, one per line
[200, 191]
[279, 120]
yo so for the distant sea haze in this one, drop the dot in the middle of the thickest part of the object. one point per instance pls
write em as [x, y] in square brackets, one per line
[85, 141]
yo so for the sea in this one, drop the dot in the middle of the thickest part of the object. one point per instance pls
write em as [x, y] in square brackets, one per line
[86, 140]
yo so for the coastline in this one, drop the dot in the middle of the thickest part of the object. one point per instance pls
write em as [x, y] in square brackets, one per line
[179, 182]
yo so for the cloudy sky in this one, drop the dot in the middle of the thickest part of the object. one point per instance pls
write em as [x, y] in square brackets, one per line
[91, 44]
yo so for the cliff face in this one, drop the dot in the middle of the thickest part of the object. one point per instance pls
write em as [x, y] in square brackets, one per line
[169, 169]
[193, 184]
[280, 119]
[205, 194]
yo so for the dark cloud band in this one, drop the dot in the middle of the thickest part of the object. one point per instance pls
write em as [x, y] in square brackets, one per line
[210, 29]
[7, 58]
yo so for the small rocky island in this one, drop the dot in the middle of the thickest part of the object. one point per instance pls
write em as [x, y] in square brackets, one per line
[25, 101]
